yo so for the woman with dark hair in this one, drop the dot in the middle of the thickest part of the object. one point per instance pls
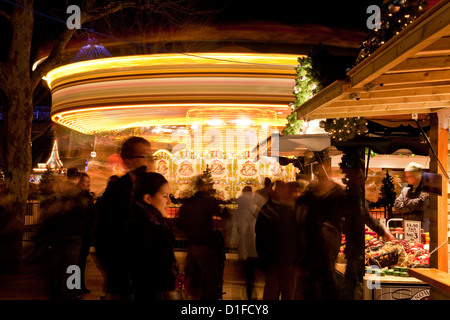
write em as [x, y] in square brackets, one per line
[149, 240]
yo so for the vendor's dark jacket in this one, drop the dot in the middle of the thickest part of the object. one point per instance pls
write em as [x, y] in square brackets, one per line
[414, 205]
[276, 234]
[150, 257]
[196, 219]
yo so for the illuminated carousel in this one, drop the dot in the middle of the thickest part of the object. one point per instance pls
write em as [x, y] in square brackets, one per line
[198, 110]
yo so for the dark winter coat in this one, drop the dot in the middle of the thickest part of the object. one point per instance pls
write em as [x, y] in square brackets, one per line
[113, 210]
[318, 214]
[196, 219]
[414, 205]
[276, 234]
[150, 258]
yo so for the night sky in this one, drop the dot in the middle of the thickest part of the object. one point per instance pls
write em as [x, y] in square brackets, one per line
[350, 14]
[346, 14]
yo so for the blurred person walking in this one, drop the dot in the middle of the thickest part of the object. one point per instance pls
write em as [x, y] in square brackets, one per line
[206, 255]
[245, 218]
[114, 212]
[296, 189]
[149, 240]
[319, 212]
[262, 195]
[89, 216]
[59, 238]
[277, 244]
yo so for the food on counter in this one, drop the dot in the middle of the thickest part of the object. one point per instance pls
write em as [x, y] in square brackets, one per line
[401, 253]
[398, 253]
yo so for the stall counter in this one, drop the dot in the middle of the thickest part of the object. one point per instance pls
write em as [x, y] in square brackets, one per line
[390, 287]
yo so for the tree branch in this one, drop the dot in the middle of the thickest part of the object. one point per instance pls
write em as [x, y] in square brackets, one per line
[53, 59]
[111, 8]
[6, 15]
[93, 14]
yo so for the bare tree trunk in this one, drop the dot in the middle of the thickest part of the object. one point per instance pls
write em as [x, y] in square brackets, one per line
[18, 117]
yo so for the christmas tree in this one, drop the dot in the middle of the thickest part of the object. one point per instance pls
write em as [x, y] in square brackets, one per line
[387, 194]
[395, 16]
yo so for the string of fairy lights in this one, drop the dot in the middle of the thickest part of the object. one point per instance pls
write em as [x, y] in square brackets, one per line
[345, 128]
[396, 15]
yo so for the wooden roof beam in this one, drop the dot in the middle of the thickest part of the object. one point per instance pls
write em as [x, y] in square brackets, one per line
[388, 106]
[422, 64]
[439, 48]
[363, 113]
[326, 97]
[420, 34]
[389, 100]
[416, 91]
[414, 77]
[398, 87]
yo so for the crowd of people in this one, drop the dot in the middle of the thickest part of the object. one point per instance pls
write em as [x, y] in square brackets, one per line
[289, 231]
[66, 233]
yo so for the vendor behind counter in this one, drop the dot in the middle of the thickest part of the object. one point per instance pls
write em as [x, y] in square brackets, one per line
[412, 202]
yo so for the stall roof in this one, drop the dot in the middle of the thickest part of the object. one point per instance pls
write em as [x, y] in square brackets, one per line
[292, 145]
[409, 74]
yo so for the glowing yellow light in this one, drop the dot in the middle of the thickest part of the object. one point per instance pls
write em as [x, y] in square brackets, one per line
[215, 122]
[175, 62]
[92, 120]
[151, 90]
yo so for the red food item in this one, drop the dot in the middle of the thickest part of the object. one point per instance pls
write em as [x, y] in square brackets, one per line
[418, 244]
[406, 245]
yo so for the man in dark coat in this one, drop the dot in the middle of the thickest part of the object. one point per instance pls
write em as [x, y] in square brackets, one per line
[204, 262]
[114, 212]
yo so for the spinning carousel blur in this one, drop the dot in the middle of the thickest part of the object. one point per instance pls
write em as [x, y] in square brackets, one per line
[197, 110]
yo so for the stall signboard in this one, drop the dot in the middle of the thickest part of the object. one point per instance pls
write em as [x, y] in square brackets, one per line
[411, 230]
[432, 183]
[402, 292]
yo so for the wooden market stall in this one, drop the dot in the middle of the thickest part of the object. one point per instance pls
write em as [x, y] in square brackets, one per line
[406, 80]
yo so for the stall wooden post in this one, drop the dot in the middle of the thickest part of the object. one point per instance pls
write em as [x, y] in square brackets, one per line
[439, 204]
[353, 167]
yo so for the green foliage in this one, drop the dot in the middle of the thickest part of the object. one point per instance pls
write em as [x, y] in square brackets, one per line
[305, 87]
[314, 72]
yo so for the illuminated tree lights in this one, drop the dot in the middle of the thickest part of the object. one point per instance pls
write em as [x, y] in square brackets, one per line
[345, 129]
[395, 16]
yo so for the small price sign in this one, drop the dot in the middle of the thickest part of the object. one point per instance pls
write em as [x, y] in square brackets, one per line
[411, 230]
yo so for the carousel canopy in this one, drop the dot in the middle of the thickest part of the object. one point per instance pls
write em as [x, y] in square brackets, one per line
[172, 89]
